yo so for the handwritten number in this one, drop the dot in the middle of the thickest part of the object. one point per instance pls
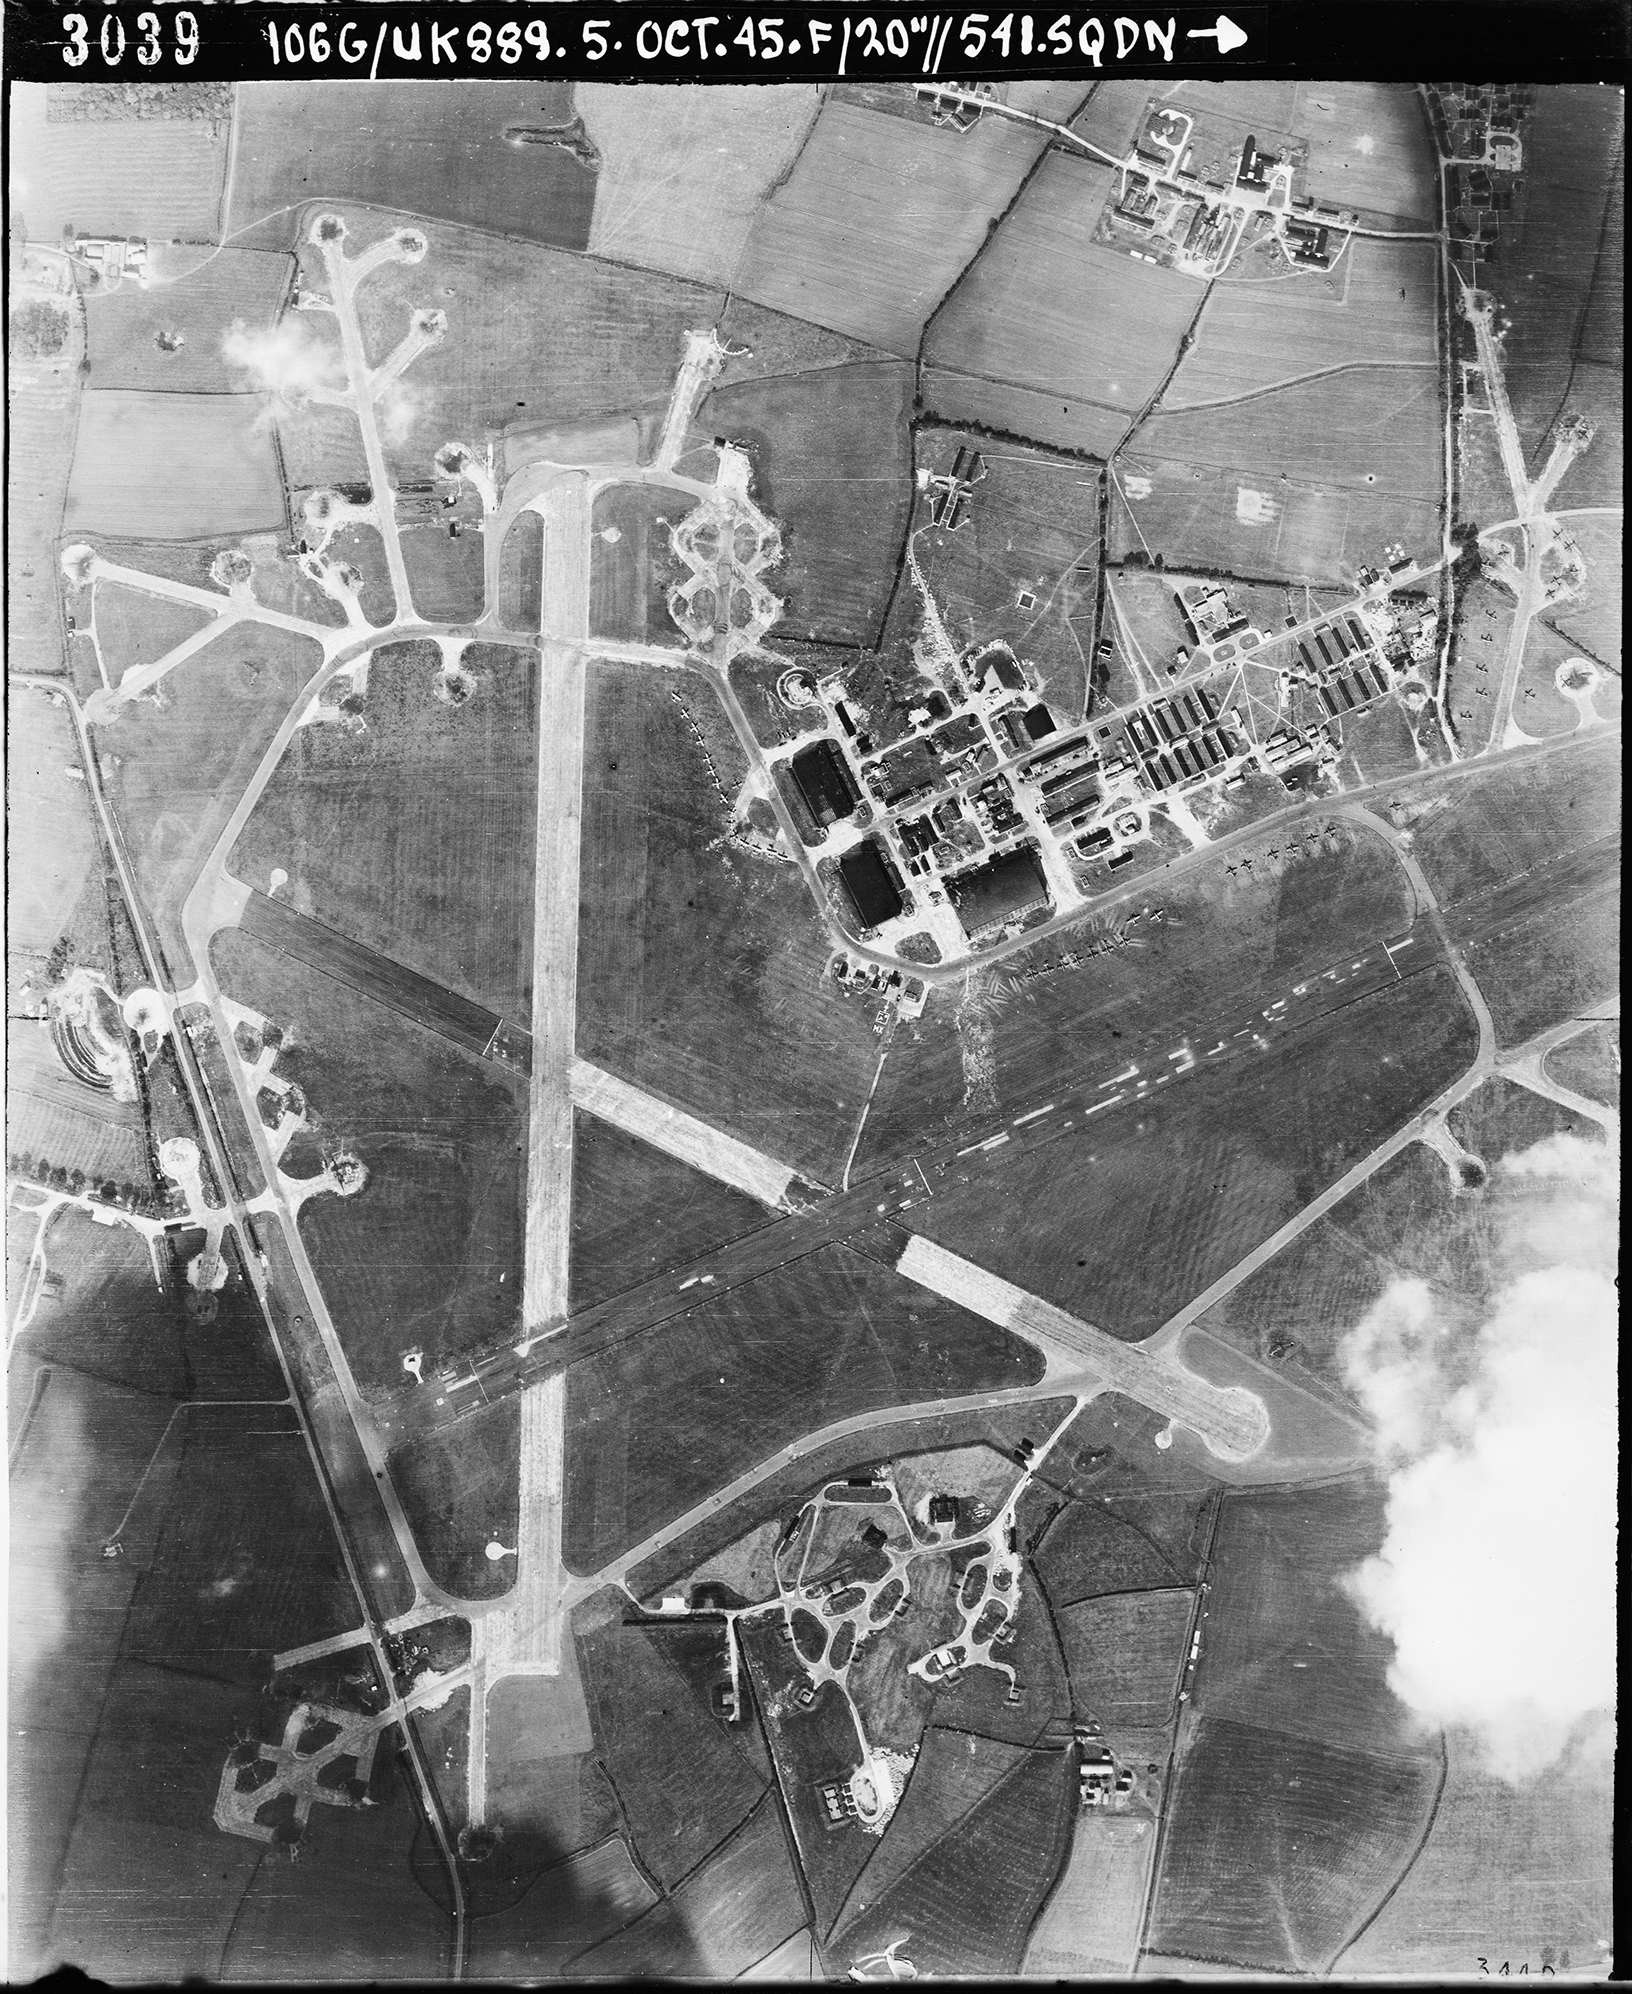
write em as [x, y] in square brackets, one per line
[78, 31]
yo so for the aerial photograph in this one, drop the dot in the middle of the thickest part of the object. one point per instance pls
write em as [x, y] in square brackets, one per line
[643, 721]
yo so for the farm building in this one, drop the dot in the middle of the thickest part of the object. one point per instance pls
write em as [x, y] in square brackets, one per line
[825, 782]
[871, 883]
[1003, 889]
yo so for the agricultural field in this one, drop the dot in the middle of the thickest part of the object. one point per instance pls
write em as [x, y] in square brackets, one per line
[428, 1254]
[1270, 326]
[953, 1773]
[173, 466]
[832, 458]
[413, 831]
[42, 414]
[56, 1119]
[1045, 307]
[659, 1420]
[1013, 414]
[551, 1798]
[1279, 1846]
[1546, 272]
[572, 1904]
[968, 1903]
[154, 177]
[1090, 1924]
[1590, 1064]
[1369, 148]
[682, 1781]
[1283, 1646]
[1124, 1220]
[413, 147]
[1031, 531]
[631, 565]
[880, 214]
[1125, 1653]
[1514, 1873]
[169, 335]
[636, 1211]
[275, 580]
[699, 969]
[682, 175]
[808, 1747]
[173, 770]
[52, 835]
[738, 1907]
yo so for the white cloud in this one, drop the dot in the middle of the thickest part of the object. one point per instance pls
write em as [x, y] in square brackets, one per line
[1496, 1579]
[285, 359]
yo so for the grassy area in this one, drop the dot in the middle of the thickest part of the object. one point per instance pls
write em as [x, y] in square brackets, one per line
[1501, 1118]
[699, 968]
[1392, 178]
[1032, 530]
[1303, 482]
[967, 1905]
[739, 1906]
[444, 573]
[636, 1211]
[42, 415]
[173, 771]
[458, 1487]
[136, 629]
[1484, 622]
[414, 832]
[415, 1259]
[658, 1421]
[1046, 307]
[1272, 325]
[175, 466]
[1540, 708]
[521, 573]
[1123, 1219]
[630, 563]
[780, 1494]
[832, 457]
[167, 335]
[1224, 942]
[1090, 1924]
[1590, 1064]
[1499, 826]
[979, 1702]
[612, 339]
[1594, 620]
[681, 1780]
[880, 214]
[417, 151]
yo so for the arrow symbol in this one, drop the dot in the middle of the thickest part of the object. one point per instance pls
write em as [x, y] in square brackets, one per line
[1226, 34]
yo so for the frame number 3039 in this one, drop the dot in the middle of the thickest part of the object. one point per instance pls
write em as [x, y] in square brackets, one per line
[110, 42]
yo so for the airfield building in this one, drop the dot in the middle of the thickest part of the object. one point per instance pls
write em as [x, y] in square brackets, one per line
[825, 782]
[871, 883]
